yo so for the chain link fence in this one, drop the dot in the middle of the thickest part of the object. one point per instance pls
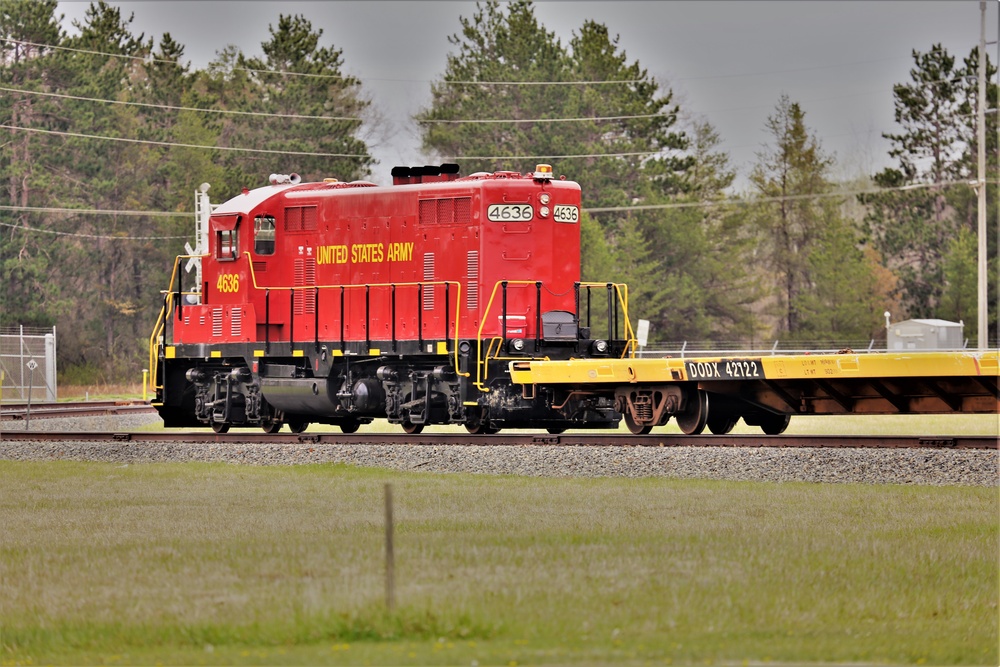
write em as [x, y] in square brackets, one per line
[27, 364]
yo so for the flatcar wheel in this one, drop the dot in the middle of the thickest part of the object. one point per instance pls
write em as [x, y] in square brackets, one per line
[220, 427]
[271, 426]
[350, 426]
[775, 424]
[692, 421]
[296, 426]
[636, 429]
[722, 423]
[412, 429]
[555, 430]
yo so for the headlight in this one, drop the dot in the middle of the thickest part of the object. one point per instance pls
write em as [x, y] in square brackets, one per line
[600, 347]
[543, 198]
[544, 211]
[517, 345]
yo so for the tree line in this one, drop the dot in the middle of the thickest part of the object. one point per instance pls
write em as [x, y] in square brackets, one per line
[104, 124]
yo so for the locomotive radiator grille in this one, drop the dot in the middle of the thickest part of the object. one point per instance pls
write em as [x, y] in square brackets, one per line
[217, 322]
[305, 275]
[472, 270]
[428, 277]
[236, 323]
[447, 211]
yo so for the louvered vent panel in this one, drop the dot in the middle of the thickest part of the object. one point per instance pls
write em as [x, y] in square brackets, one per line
[445, 211]
[293, 219]
[217, 322]
[187, 319]
[259, 267]
[308, 218]
[428, 277]
[472, 295]
[305, 275]
[428, 211]
[463, 210]
[236, 323]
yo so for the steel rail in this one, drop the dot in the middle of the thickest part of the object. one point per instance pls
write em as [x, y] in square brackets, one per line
[19, 411]
[236, 439]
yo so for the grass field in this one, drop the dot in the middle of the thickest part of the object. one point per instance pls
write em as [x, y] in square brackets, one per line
[221, 564]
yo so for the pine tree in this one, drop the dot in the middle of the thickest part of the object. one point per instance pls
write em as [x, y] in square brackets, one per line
[27, 294]
[297, 77]
[790, 170]
[937, 146]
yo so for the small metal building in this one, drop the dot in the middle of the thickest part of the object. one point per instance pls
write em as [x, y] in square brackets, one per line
[925, 335]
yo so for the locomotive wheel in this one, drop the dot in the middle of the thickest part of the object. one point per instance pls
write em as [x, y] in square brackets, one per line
[412, 429]
[722, 423]
[692, 421]
[271, 426]
[220, 427]
[297, 426]
[476, 426]
[350, 426]
[636, 429]
[775, 424]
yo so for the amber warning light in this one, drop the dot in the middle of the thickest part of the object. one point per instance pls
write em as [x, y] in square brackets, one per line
[543, 172]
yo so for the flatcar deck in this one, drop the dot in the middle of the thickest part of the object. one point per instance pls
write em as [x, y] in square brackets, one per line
[844, 383]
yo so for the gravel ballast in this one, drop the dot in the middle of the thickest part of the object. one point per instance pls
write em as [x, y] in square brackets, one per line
[935, 467]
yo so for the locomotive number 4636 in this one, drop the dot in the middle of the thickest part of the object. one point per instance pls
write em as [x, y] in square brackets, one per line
[510, 213]
[228, 283]
[566, 214]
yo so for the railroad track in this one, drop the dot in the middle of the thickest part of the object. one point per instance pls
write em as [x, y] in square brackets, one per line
[237, 438]
[75, 409]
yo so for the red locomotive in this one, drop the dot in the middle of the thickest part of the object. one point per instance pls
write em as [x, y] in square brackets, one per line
[341, 303]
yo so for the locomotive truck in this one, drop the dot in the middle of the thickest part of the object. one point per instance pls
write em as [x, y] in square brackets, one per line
[344, 302]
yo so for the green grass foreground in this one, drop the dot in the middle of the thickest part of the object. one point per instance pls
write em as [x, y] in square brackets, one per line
[221, 564]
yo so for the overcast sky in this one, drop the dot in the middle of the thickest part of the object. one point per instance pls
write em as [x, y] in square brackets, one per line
[727, 62]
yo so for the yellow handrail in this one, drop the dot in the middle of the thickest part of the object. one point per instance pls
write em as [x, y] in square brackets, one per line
[458, 296]
[621, 291]
[161, 321]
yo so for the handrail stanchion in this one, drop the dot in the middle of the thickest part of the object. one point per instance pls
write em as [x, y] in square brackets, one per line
[342, 344]
[267, 321]
[420, 316]
[392, 306]
[447, 311]
[538, 315]
[576, 301]
[503, 306]
[368, 318]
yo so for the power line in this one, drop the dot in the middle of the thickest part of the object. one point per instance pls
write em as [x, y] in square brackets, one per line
[543, 157]
[94, 236]
[175, 108]
[179, 145]
[96, 211]
[541, 120]
[150, 59]
[768, 200]
[169, 107]
[307, 153]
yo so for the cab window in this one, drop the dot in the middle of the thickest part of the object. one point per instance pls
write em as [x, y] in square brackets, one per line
[226, 243]
[263, 235]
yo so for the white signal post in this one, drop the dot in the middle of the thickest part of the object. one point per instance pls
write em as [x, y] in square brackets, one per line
[981, 180]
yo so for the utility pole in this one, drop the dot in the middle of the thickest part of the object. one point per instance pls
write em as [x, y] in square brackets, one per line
[981, 179]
